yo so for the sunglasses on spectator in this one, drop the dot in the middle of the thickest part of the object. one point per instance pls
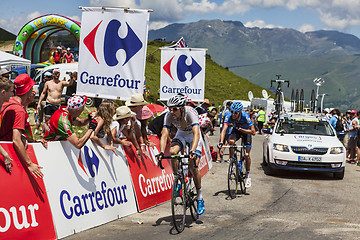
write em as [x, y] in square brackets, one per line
[174, 109]
[235, 112]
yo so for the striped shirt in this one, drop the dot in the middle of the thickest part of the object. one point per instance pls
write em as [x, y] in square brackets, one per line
[60, 125]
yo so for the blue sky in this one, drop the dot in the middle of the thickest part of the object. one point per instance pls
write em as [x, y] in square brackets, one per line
[301, 15]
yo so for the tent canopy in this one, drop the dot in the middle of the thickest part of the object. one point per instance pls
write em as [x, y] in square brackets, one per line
[7, 59]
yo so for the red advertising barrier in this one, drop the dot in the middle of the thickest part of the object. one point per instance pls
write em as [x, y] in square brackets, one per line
[24, 207]
[152, 185]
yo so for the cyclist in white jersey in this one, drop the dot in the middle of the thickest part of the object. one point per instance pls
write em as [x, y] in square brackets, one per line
[186, 121]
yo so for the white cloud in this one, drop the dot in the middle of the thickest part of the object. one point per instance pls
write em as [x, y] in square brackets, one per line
[157, 25]
[260, 24]
[306, 28]
[203, 6]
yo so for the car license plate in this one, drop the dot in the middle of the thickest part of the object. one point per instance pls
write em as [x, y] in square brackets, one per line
[309, 159]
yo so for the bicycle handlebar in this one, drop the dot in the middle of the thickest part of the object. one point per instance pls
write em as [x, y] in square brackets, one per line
[235, 146]
[175, 157]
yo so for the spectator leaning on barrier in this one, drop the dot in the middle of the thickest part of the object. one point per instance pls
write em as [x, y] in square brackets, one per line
[203, 108]
[60, 124]
[122, 128]
[6, 91]
[15, 125]
[137, 104]
[103, 120]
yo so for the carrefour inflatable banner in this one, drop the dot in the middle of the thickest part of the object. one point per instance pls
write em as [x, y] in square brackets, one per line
[112, 57]
[182, 71]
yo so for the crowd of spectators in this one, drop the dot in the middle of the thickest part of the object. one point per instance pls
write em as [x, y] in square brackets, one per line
[126, 125]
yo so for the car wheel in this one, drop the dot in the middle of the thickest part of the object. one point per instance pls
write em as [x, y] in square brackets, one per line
[268, 169]
[89, 102]
[339, 175]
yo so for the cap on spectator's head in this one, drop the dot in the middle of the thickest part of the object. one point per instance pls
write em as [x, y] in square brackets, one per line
[123, 112]
[47, 74]
[4, 71]
[23, 83]
[145, 113]
[76, 102]
[58, 47]
[68, 49]
[56, 70]
[228, 103]
[327, 110]
[353, 111]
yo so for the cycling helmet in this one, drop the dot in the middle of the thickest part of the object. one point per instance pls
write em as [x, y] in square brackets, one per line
[236, 106]
[178, 100]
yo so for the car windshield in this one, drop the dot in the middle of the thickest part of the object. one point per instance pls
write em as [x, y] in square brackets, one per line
[304, 126]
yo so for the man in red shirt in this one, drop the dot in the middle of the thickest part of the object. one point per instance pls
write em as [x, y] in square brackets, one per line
[15, 124]
[60, 124]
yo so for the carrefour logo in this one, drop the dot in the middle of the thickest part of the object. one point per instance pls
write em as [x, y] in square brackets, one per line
[92, 162]
[182, 68]
[131, 44]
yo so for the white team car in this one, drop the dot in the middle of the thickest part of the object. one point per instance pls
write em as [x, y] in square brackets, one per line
[303, 142]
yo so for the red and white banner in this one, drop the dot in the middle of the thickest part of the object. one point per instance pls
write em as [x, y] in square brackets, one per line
[112, 58]
[182, 71]
[152, 185]
[24, 206]
[86, 187]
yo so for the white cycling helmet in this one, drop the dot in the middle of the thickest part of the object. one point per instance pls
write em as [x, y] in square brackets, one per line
[178, 100]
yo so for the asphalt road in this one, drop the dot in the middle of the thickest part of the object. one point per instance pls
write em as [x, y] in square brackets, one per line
[286, 206]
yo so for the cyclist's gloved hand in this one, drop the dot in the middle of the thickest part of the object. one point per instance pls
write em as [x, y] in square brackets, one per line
[159, 158]
[220, 145]
[193, 156]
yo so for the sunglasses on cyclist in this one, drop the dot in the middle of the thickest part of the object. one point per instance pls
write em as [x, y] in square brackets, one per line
[235, 112]
[173, 109]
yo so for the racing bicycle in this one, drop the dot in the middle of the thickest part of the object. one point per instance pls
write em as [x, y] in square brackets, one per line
[236, 171]
[279, 96]
[183, 194]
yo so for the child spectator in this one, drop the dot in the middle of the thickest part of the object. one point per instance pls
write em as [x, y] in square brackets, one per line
[103, 120]
[123, 128]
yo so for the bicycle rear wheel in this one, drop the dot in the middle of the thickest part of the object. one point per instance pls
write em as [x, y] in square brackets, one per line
[178, 203]
[233, 176]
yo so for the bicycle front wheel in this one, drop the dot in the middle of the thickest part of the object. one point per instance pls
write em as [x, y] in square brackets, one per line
[178, 203]
[233, 175]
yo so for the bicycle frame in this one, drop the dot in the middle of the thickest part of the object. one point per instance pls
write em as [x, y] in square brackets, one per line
[279, 96]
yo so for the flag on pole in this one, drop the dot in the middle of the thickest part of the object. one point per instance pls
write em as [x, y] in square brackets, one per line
[179, 44]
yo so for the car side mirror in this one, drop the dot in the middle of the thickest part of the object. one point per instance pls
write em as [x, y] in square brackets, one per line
[267, 130]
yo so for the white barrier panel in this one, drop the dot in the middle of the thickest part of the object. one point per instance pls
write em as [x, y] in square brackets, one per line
[86, 187]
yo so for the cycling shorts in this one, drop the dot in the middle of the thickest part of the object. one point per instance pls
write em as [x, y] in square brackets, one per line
[246, 138]
[183, 137]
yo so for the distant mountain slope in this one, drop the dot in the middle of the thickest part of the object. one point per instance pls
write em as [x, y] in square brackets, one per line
[341, 75]
[220, 83]
[5, 35]
[232, 44]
